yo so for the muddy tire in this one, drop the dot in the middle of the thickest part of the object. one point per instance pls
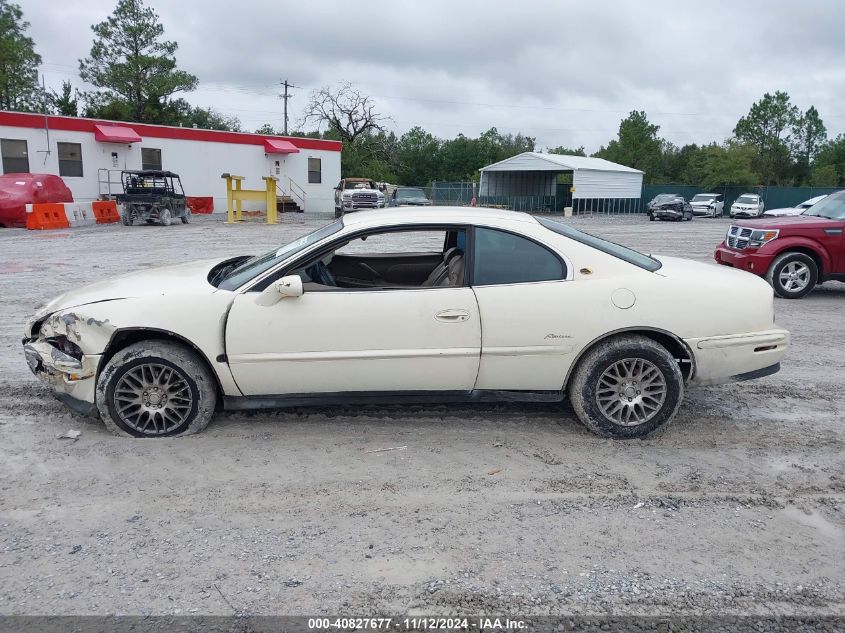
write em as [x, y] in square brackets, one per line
[126, 216]
[165, 216]
[626, 387]
[793, 275]
[156, 389]
[186, 217]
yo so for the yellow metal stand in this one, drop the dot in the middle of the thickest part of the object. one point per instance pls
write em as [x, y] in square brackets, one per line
[237, 194]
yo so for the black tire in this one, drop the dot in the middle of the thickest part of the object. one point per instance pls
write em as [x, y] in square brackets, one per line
[187, 371]
[165, 215]
[800, 262]
[650, 217]
[584, 390]
[126, 216]
[186, 216]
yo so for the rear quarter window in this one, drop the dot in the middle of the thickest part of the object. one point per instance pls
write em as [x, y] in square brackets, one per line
[504, 258]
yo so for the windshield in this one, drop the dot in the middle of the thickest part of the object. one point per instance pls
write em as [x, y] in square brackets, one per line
[410, 193]
[832, 207]
[359, 185]
[664, 196]
[622, 252]
[747, 199]
[254, 266]
[703, 197]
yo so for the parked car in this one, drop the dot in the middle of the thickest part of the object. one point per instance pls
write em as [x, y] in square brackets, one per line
[409, 197]
[677, 209]
[656, 200]
[332, 318]
[748, 205]
[708, 204]
[795, 253]
[152, 196]
[352, 194]
[796, 210]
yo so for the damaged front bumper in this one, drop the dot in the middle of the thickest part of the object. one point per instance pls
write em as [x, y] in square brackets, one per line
[72, 380]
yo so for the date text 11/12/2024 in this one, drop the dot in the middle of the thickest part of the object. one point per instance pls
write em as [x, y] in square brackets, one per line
[417, 624]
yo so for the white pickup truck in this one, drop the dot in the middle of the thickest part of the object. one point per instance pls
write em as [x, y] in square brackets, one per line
[352, 194]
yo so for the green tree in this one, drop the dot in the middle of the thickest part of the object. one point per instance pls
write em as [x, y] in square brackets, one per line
[65, 103]
[18, 62]
[824, 176]
[560, 149]
[831, 155]
[808, 135]
[267, 129]
[731, 164]
[637, 146]
[133, 65]
[418, 153]
[767, 127]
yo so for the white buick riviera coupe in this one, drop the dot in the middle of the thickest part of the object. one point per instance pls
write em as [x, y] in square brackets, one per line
[429, 304]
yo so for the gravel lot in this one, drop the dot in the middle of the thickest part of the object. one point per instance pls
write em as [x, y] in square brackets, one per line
[737, 507]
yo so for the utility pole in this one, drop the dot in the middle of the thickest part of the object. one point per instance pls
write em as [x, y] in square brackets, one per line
[285, 98]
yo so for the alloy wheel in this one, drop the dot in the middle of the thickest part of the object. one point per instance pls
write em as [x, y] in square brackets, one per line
[631, 391]
[153, 399]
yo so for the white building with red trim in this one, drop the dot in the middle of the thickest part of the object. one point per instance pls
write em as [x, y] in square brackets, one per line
[89, 155]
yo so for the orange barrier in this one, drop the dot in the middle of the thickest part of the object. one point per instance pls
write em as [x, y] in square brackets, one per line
[46, 215]
[200, 204]
[105, 211]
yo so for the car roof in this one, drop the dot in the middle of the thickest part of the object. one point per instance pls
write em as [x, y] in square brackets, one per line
[754, 195]
[427, 215]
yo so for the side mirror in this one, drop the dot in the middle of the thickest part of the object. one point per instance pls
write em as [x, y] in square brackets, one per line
[290, 286]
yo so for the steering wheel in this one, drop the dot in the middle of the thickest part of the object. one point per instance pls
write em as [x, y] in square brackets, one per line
[320, 273]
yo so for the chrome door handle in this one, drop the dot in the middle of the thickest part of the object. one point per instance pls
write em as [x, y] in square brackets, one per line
[452, 316]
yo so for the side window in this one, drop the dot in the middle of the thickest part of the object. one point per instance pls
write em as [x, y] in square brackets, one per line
[504, 258]
[15, 156]
[150, 158]
[315, 171]
[70, 159]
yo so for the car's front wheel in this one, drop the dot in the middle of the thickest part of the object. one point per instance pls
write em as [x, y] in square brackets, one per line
[155, 389]
[793, 275]
[626, 387]
[165, 216]
[186, 217]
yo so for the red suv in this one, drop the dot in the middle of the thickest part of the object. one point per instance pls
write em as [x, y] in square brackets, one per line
[792, 253]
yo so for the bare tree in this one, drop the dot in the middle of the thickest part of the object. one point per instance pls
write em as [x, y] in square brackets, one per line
[344, 110]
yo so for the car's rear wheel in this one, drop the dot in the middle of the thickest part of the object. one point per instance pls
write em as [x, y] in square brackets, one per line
[165, 216]
[155, 389]
[626, 387]
[126, 216]
[793, 275]
[186, 216]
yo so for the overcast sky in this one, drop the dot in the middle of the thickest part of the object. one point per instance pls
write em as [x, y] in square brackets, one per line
[563, 72]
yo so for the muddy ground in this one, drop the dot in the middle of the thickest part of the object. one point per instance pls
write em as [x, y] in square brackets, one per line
[737, 507]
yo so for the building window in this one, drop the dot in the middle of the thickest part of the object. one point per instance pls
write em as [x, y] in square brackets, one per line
[15, 156]
[150, 158]
[70, 159]
[315, 171]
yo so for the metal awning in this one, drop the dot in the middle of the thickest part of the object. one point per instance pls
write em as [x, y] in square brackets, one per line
[278, 146]
[115, 134]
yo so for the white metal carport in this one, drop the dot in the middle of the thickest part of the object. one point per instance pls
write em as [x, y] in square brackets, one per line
[597, 184]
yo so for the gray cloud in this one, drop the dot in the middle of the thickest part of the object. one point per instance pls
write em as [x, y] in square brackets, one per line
[565, 72]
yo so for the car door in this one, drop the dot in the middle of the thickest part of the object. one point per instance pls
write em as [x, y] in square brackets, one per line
[356, 340]
[522, 290]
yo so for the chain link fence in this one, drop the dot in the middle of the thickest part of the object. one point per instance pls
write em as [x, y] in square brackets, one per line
[464, 193]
